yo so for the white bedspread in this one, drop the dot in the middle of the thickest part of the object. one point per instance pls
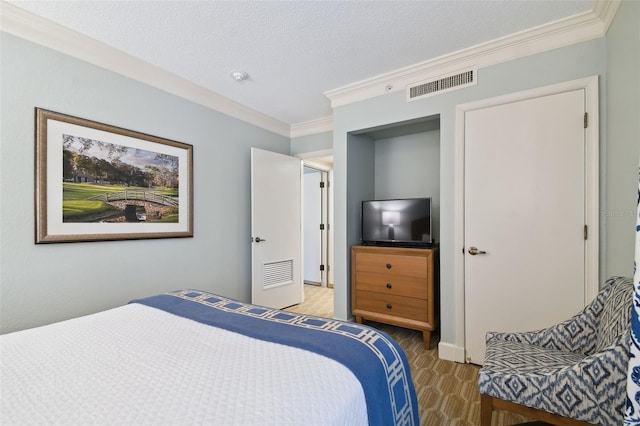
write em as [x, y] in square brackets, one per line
[139, 365]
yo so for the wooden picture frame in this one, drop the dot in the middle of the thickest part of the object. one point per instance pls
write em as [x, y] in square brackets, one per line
[96, 182]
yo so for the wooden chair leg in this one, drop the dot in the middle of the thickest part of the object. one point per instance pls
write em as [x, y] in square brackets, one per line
[486, 409]
[554, 419]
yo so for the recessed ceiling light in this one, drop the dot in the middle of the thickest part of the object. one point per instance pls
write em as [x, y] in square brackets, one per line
[239, 75]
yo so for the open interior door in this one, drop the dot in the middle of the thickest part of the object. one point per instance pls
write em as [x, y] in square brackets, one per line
[276, 229]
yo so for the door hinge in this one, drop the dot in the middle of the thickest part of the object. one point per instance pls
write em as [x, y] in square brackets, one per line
[586, 232]
[322, 226]
[321, 184]
[586, 120]
[322, 267]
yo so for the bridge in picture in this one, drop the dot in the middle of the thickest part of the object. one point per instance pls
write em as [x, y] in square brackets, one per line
[137, 195]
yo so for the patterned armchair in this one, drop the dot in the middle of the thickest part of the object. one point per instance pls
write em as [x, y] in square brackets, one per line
[571, 373]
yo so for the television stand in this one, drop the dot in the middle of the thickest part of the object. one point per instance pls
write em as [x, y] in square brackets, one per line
[396, 285]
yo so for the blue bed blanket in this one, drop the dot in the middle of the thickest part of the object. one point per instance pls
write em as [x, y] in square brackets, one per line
[374, 357]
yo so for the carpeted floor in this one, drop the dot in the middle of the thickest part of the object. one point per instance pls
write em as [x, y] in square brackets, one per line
[447, 391]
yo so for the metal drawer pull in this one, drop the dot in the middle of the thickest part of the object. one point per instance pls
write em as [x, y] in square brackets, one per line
[388, 266]
[389, 285]
[389, 306]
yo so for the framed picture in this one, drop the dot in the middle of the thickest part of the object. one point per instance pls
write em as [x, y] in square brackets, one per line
[96, 182]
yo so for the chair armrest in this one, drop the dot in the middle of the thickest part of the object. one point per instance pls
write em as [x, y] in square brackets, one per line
[604, 376]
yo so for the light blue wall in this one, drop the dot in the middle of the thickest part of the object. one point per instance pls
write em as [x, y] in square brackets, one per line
[573, 62]
[312, 143]
[623, 137]
[362, 181]
[408, 167]
[44, 283]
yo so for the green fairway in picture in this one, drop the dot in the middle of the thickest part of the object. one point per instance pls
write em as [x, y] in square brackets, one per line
[88, 202]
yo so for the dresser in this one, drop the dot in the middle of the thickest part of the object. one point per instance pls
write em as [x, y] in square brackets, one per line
[396, 286]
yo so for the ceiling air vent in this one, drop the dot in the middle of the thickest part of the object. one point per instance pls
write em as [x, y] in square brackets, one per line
[442, 84]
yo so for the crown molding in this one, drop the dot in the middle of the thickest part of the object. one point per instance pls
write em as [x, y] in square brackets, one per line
[606, 10]
[574, 29]
[320, 125]
[36, 29]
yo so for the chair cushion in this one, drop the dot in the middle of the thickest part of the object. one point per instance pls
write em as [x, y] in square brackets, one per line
[518, 358]
[526, 374]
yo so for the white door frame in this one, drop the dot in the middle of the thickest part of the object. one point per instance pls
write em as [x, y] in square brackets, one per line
[314, 161]
[590, 85]
[324, 219]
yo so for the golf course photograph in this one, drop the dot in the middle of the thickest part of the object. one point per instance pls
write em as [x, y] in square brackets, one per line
[99, 182]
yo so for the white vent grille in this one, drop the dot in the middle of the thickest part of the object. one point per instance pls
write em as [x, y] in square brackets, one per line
[277, 273]
[442, 84]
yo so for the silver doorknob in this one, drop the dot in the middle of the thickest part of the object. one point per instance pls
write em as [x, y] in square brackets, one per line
[258, 239]
[474, 250]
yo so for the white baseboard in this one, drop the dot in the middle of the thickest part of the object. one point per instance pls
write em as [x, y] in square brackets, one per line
[450, 352]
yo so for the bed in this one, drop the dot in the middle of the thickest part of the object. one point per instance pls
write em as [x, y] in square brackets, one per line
[193, 357]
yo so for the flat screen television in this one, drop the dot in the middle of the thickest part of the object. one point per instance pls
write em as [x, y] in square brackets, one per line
[400, 222]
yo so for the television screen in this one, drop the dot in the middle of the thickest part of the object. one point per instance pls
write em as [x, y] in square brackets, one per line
[397, 222]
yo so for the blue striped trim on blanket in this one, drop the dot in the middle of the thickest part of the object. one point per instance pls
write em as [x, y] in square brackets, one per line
[374, 357]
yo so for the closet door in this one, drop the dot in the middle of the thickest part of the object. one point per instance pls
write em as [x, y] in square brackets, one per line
[524, 216]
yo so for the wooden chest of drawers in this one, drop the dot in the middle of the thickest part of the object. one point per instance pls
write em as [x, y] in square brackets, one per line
[395, 286]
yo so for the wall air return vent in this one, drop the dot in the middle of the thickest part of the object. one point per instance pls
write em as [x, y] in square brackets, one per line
[442, 84]
[277, 273]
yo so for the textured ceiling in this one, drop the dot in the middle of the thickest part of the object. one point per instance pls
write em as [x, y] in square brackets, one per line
[294, 51]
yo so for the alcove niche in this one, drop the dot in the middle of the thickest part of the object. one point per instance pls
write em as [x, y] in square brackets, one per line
[398, 160]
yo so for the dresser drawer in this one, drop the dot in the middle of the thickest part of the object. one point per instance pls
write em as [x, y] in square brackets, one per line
[399, 306]
[409, 266]
[398, 285]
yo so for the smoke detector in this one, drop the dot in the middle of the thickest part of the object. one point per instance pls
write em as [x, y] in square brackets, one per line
[239, 76]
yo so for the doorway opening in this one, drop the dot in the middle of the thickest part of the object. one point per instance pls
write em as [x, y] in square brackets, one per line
[317, 248]
[315, 225]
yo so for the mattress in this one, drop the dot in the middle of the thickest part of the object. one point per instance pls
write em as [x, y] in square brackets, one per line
[144, 364]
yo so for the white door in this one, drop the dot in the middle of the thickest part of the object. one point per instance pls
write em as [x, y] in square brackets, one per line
[312, 251]
[525, 215]
[276, 229]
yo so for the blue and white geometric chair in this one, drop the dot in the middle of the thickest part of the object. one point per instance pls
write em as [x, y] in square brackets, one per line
[572, 373]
